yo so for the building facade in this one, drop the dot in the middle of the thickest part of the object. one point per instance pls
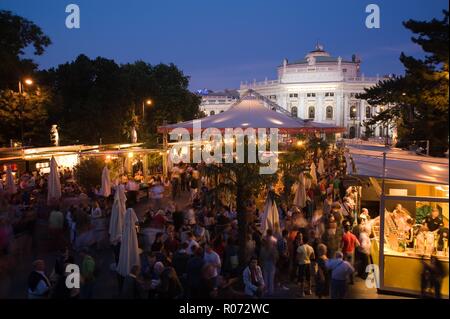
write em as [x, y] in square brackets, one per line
[323, 88]
[217, 102]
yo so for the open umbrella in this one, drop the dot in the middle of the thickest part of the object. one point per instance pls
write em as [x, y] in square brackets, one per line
[117, 215]
[54, 184]
[321, 168]
[300, 193]
[313, 173]
[129, 250]
[105, 190]
[270, 218]
[11, 187]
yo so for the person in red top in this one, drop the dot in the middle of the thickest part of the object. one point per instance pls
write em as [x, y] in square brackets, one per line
[349, 243]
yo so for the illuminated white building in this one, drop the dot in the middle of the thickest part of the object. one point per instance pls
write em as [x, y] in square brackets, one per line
[322, 88]
[217, 102]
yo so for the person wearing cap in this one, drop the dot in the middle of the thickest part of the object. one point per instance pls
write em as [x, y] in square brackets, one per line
[340, 271]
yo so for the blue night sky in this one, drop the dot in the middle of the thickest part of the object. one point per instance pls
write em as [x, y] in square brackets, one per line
[218, 43]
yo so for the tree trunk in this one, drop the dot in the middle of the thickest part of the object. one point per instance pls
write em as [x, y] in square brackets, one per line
[242, 223]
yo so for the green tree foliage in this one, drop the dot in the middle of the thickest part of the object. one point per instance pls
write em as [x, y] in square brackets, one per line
[88, 172]
[16, 34]
[30, 109]
[100, 99]
[418, 101]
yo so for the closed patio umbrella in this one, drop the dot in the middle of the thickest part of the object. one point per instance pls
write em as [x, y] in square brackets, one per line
[270, 218]
[321, 167]
[313, 173]
[117, 215]
[105, 190]
[129, 250]
[11, 187]
[300, 193]
[54, 184]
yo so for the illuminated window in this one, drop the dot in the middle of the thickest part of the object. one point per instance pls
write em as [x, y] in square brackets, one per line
[352, 111]
[212, 113]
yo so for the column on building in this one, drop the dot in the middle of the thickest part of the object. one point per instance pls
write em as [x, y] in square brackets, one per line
[320, 107]
[337, 112]
[302, 105]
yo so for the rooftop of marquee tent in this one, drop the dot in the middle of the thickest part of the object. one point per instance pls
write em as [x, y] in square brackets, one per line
[252, 111]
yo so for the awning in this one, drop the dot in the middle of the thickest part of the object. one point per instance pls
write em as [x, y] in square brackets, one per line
[367, 160]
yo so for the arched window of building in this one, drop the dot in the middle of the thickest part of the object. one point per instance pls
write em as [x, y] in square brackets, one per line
[381, 131]
[329, 112]
[311, 112]
[368, 112]
[274, 109]
[212, 113]
[221, 111]
[352, 111]
[294, 111]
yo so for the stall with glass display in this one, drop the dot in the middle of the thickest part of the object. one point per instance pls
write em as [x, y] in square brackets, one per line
[410, 233]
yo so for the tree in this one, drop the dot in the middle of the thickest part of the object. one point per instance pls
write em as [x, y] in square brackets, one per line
[16, 34]
[99, 99]
[418, 101]
[28, 109]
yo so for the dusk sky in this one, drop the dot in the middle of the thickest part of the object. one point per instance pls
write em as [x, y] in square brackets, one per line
[220, 43]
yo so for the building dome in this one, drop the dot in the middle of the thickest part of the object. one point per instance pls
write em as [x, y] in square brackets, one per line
[318, 51]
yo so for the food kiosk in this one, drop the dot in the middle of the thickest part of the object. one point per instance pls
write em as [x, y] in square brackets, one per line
[411, 229]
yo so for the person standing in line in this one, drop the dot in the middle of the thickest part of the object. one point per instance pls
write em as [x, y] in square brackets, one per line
[305, 254]
[348, 245]
[87, 270]
[268, 256]
[322, 277]
[340, 271]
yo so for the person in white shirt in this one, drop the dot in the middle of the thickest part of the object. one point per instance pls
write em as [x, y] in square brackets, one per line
[305, 253]
[253, 279]
[38, 283]
[211, 257]
[191, 243]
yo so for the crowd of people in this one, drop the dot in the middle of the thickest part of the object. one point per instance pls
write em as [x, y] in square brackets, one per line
[191, 244]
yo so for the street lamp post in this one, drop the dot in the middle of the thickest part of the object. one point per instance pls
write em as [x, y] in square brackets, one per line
[22, 104]
[146, 102]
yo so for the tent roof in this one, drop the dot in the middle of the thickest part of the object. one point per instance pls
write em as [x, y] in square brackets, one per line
[400, 164]
[250, 112]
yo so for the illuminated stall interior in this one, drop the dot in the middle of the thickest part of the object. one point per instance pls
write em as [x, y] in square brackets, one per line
[414, 188]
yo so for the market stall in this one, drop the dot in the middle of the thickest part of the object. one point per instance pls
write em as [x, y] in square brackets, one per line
[411, 229]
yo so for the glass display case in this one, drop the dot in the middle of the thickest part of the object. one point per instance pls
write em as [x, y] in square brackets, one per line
[411, 229]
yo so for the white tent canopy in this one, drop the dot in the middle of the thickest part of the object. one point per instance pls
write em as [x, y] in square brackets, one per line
[54, 184]
[251, 112]
[129, 250]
